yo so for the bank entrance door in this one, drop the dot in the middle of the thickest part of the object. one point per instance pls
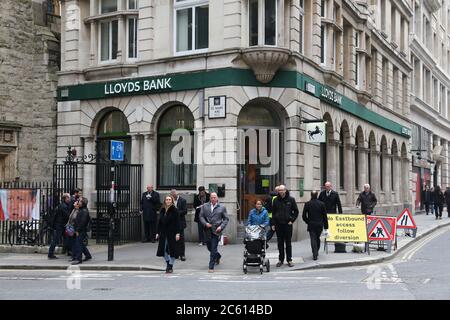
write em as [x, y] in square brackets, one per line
[261, 146]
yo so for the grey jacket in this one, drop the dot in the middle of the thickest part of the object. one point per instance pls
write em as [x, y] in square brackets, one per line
[219, 217]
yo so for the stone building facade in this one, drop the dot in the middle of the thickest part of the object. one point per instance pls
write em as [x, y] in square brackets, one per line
[29, 62]
[137, 70]
[430, 99]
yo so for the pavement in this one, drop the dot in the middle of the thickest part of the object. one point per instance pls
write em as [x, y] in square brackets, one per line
[142, 256]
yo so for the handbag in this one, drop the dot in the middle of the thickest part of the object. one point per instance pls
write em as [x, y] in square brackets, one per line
[70, 230]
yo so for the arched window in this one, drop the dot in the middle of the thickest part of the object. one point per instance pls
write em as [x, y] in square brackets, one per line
[113, 126]
[171, 174]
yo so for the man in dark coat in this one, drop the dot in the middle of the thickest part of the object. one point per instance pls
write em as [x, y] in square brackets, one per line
[447, 200]
[59, 222]
[367, 200]
[285, 212]
[181, 205]
[438, 202]
[427, 199]
[331, 199]
[315, 216]
[268, 204]
[333, 204]
[150, 204]
[77, 194]
[81, 228]
[200, 199]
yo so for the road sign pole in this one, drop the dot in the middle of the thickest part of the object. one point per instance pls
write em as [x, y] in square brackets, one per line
[112, 207]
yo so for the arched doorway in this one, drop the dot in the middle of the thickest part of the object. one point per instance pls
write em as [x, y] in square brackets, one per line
[260, 134]
[113, 126]
[171, 174]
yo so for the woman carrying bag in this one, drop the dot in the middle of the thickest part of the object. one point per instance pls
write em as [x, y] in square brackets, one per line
[168, 233]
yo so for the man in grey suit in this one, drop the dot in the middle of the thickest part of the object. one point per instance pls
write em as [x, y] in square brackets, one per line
[214, 218]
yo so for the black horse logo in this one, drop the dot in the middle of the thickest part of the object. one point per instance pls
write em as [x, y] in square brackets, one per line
[312, 133]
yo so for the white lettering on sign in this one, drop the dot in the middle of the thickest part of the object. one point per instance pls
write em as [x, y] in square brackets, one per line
[331, 95]
[137, 86]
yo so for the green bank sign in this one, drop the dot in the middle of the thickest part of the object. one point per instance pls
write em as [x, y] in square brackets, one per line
[146, 86]
[221, 78]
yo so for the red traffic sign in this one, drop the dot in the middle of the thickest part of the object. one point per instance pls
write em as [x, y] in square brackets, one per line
[405, 220]
[379, 232]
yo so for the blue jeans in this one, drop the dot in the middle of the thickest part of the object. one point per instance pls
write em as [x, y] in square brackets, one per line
[212, 248]
[79, 248]
[168, 258]
[58, 233]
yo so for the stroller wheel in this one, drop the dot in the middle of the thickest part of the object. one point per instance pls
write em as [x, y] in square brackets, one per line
[261, 270]
[244, 266]
[268, 265]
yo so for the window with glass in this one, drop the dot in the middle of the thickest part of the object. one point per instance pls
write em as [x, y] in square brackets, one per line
[268, 19]
[108, 40]
[357, 45]
[107, 6]
[192, 25]
[323, 44]
[301, 26]
[170, 174]
[132, 4]
[113, 126]
[132, 37]
[341, 160]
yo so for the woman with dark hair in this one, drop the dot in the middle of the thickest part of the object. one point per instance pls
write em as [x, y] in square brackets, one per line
[438, 202]
[168, 233]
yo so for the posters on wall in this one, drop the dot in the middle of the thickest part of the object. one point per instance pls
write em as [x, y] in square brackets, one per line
[19, 204]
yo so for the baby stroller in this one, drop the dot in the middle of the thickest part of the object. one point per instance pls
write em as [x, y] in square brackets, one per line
[255, 248]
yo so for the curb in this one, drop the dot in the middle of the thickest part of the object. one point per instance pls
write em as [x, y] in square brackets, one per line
[82, 267]
[375, 260]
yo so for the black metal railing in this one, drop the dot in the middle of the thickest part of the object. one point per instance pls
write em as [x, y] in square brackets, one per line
[33, 232]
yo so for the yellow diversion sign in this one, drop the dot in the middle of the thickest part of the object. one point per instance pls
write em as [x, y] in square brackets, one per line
[347, 228]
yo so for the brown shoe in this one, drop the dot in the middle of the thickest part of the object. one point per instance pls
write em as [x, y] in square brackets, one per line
[211, 270]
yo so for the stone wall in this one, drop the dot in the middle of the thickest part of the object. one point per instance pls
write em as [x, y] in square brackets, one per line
[29, 60]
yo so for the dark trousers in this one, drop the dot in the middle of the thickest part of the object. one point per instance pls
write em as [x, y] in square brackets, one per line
[448, 209]
[284, 236]
[150, 230]
[438, 208]
[58, 234]
[427, 207]
[182, 245]
[201, 233]
[79, 248]
[314, 234]
[212, 245]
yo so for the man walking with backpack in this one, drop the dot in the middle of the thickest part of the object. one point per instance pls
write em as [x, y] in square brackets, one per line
[59, 221]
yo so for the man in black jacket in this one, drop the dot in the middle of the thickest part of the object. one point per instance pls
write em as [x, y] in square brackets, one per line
[333, 204]
[447, 200]
[150, 204]
[81, 228]
[200, 199]
[331, 199]
[59, 221]
[367, 200]
[315, 216]
[285, 212]
[181, 205]
[427, 199]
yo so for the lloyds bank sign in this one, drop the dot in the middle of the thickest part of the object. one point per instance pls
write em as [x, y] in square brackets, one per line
[146, 86]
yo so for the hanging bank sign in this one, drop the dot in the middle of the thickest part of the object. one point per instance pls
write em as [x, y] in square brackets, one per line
[140, 86]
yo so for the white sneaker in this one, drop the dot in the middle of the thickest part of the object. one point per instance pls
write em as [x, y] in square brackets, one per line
[200, 244]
